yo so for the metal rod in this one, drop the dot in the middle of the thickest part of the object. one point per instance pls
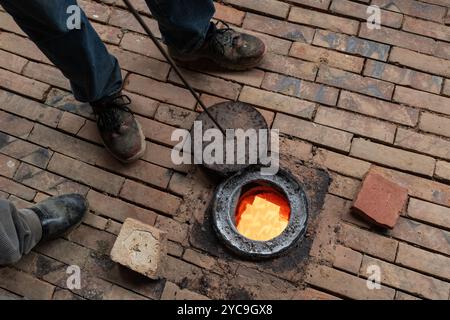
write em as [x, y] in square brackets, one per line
[171, 62]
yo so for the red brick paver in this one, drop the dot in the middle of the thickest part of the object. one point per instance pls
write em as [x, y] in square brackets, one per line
[344, 97]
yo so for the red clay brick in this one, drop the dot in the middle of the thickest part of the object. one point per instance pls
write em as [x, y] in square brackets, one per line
[325, 237]
[278, 28]
[428, 144]
[29, 109]
[442, 170]
[405, 77]
[351, 45]
[429, 213]
[380, 200]
[360, 125]
[140, 64]
[340, 163]
[65, 144]
[149, 197]
[22, 47]
[446, 90]
[24, 151]
[368, 242]
[392, 157]
[355, 82]
[20, 84]
[71, 123]
[435, 124]
[422, 235]
[407, 280]
[95, 11]
[321, 4]
[347, 259]
[329, 57]
[228, 14]
[14, 125]
[269, 7]
[423, 261]
[300, 88]
[208, 84]
[160, 91]
[420, 61]
[107, 33]
[422, 100]
[344, 187]
[25, 284]
[277, 102]
[289, 66]
[399, 38]
[47, 182]
[12, 62]
[125, 20]
[87, 174]
[315, 133]
[331, 280]
[8, 166]
[325, 21]
[12, 187]
[352, 9]
[413, 8]
[7, 23]
[378, 108]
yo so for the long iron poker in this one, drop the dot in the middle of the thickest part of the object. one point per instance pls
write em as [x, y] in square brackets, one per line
[171, 62]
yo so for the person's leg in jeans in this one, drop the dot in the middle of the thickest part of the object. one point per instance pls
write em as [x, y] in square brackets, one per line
[21, 230]
[94, 74]
[188, 32]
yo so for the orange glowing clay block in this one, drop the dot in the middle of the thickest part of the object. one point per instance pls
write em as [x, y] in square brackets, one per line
[263, 216]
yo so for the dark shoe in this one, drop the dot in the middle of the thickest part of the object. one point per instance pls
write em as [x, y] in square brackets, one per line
[59, 215]
[121, 134]
[227, 48]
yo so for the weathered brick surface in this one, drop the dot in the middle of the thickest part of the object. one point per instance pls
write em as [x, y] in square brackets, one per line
[378, 108]
[354, 82]
[315, 133]
[347, 259]
[429, 212]
[400, 159]
[359, 125]
[300, 88]
[353, 9]
[351, 45]
[407, 280]
[327, 82]
[405, 77]
[368, 242]
[355, 288]
[332, 58]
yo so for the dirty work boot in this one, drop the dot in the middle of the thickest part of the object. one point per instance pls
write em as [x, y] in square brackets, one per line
[59, 215]
[227, 48]
[121, 134]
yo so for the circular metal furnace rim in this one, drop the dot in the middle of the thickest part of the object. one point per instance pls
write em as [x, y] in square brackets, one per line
[223, 211]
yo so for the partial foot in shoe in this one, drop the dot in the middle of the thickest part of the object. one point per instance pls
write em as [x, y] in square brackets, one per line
[121, 133]
[227, 48]
[59, 215]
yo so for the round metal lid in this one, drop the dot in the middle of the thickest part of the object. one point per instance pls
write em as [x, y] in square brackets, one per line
[230, 115]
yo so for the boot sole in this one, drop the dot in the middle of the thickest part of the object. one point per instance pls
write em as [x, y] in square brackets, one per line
[195, 63]
[138, 155]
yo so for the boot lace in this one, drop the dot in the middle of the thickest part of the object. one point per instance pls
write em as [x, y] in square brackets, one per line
[110, 114]
[222, 38]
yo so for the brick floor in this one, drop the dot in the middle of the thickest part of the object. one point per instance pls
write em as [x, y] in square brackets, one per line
[345, 97]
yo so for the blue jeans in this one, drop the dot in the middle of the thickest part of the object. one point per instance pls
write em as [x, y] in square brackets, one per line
[81, 55]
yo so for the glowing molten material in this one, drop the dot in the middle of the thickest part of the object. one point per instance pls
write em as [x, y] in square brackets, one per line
[262, 214]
